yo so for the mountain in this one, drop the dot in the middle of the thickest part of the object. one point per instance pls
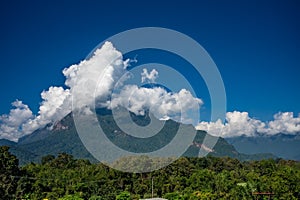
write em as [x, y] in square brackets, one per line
[222, 149]
[5, 142]
[23, 154]
[63, 137]
[281, 145]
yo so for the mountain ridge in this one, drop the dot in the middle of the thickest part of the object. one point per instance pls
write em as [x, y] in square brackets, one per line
[63, 137]
[281, 145]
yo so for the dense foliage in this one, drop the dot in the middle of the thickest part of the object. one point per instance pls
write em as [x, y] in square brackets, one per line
[64, 177]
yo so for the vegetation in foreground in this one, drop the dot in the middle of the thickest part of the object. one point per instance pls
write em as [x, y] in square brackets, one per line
[64, 177]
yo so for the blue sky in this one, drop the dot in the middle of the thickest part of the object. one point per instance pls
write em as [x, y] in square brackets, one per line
[255, 45]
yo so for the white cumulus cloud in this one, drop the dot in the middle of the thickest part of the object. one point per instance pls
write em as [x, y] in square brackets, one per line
[284, 123]
[11, 124]
[162, 104]
[103, 69]
[95, 79]
[149, 77]
[239, 123]
[55, 105]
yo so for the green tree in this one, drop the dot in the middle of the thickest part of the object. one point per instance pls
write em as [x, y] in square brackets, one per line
[123, 196]
[47, 159]
[9, 172]
[94, 197]
[71, 197]
[67, 178]
[63, 160]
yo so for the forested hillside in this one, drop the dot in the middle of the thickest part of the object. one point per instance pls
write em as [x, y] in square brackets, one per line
[64, 177]
[63, 137]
